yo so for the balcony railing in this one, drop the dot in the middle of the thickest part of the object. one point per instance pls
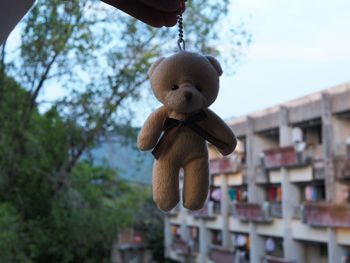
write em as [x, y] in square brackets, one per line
[325, 215]
[272, 259]
[219, 254]
[180, 247]
[224, 165]
[342, 168]
[276, 209]
[280, 157]
[251, 212]
[289, 157]
[130, 237]
[206, 212]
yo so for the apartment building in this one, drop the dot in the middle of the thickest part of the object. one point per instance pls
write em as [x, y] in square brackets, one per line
[282, 196]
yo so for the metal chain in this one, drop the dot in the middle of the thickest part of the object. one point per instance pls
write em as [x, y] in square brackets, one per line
[181, 41]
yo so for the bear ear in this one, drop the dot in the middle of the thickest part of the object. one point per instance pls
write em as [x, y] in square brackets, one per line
[213, 61]
[154, 65]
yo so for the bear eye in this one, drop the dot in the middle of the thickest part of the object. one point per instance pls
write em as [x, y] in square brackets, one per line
[175, 87]
[198, 88]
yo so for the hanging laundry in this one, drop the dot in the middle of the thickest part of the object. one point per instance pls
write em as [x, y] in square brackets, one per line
[308, 193]
[270, 245]
[247, 246]
[232, 192]
[314, 193]
[216, 194]
[174, 230]
[279, 194]
[241, 240]
[194, 233]
[239, 195]
[244, 195]
[271, 193]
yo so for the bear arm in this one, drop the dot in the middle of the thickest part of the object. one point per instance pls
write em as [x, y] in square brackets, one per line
[220, 130]
[152, 129]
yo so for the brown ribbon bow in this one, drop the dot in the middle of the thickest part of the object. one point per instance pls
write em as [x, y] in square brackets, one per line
[171, 127]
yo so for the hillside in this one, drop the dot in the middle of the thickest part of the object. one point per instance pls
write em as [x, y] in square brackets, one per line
[130, 163]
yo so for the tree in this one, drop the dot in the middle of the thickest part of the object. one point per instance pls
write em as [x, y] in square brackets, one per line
[75, 223]
[150, 221]
[55, 207]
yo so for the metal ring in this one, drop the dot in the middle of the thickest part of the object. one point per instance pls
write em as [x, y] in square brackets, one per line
[183, 46]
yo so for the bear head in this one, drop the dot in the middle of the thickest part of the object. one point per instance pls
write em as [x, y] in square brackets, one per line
[185, 82]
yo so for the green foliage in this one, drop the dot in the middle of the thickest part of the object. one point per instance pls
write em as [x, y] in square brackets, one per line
[150, 221]
[86, 217]
[11, 242]
[45, 217]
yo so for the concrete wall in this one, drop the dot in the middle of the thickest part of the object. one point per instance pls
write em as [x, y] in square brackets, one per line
[300, 241]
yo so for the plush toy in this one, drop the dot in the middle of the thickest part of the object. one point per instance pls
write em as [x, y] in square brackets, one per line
[186, 84]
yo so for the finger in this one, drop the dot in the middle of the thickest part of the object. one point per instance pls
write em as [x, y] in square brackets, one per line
[168, 6]
[170, 19]
[145, 13]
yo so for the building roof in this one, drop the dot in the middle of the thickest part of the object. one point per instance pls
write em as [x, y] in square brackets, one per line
[299, 102]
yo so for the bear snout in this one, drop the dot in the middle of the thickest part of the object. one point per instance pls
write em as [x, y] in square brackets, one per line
[188, 96]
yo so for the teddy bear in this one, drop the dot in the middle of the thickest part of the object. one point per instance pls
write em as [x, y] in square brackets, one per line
[186, 83]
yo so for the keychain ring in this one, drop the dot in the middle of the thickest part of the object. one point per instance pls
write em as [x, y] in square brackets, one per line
[181, 44]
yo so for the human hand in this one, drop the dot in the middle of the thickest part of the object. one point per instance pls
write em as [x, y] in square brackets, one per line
[156, 13]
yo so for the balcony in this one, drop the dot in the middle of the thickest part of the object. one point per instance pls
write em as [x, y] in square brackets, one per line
[130, 236]
[207, 212]
[289, 157]
[180, 247]
[219, 254]
[272, 259]
[252, 212]
[342, 168]
[325, 215]
[280, 157]
[224, 165]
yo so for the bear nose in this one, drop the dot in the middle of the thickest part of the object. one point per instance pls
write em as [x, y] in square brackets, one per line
[188, 96]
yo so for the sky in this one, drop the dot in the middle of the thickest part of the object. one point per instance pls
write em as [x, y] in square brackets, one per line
[299, 47]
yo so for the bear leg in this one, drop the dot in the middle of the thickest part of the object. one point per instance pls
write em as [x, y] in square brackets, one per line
[196, 183]
[165, 184]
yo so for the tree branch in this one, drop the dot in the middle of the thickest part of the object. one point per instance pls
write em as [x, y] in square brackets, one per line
[43, 78]
[2, 69]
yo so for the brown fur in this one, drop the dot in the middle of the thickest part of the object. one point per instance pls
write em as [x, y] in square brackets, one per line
[198, 75]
